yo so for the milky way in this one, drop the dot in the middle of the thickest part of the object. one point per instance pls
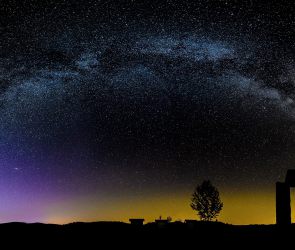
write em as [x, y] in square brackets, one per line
[135, 102]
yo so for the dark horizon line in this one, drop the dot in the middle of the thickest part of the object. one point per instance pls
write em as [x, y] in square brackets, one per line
[128, 223]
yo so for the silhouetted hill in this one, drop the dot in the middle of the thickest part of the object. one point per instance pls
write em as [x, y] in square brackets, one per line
[172, 234]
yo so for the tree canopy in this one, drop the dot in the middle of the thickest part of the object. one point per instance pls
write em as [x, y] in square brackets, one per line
[206, 201]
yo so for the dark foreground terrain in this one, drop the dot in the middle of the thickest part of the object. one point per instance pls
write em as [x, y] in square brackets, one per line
[98, 234]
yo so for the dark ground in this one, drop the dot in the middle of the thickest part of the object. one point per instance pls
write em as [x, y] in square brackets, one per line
[175, 234]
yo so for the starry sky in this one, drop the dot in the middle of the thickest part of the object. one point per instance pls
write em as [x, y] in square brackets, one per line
[118, 109]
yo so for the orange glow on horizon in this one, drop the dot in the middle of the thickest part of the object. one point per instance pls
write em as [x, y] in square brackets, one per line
[240, 208]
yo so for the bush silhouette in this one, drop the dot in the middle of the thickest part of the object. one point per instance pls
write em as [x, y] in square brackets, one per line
[206, 201]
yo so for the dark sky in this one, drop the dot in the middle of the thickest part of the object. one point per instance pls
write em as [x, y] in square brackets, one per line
[106, 104]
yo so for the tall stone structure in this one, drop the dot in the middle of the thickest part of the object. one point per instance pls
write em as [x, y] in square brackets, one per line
[283, 200]
[283, 206]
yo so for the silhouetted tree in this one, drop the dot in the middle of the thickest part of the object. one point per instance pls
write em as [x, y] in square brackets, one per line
[206, 201]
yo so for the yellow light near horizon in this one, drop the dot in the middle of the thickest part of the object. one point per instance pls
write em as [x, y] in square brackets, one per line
[292, 193]
[240, 208]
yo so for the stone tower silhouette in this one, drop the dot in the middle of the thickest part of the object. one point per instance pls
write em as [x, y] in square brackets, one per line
[283, 200]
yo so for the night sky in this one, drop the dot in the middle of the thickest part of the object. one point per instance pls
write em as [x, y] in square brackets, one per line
[118, 109]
